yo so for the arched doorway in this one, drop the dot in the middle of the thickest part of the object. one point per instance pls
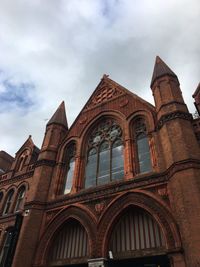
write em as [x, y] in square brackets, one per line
[69, 245]
[137, 240]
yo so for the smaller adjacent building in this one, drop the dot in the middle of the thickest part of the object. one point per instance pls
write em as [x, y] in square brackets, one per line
[120, 187]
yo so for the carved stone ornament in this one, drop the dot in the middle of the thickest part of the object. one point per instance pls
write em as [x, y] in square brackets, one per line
[172, 116]
[99, 207]
[105, 93]
[83, 120]
[123, 103]
[163, 192]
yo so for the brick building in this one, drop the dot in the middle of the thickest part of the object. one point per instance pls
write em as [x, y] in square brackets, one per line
[120, 187]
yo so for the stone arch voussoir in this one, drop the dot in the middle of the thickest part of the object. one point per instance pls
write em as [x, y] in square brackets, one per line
[160, 214]
[71, 212]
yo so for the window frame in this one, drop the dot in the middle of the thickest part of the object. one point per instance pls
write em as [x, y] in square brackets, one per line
[19, 200]
[112, 126]
[8, 200]
[139, 134]
[70, 153]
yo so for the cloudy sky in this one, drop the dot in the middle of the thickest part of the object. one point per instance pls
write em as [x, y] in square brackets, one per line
[54, 50]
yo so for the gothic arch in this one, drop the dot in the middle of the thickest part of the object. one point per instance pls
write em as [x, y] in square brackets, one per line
[64, 145]
[140, 199]
[145, 114]
[22, 158]
[115, 115]
[73, 212]
[24, 183]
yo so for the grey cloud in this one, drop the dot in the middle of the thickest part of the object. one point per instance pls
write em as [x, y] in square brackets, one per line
[64, 48]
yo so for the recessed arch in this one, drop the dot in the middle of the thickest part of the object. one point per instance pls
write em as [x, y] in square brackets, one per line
[82, 216]
[70, 243]
[145, 203]
[135, 231]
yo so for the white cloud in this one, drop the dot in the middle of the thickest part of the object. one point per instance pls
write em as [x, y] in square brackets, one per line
[64, 47]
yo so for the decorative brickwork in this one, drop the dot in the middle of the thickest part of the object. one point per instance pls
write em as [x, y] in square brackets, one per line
[162, 200]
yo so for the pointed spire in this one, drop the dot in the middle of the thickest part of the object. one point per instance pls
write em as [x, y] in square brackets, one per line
[161, 69]
[59, 117]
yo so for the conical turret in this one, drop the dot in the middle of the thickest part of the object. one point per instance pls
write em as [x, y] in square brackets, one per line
[161, 69]
[166, 91]
[59, 117]
[56, 129]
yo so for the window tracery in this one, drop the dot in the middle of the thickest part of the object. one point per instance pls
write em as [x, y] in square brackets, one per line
[105, 161]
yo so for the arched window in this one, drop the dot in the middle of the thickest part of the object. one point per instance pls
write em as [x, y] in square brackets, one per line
[20, 197]
[8, 202]
[22, 160]
[105, 161]
[6, 246]
[70, 166]
[142, 146]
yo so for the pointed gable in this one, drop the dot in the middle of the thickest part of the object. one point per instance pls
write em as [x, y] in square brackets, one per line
[161, 69]
[109, 96]
[27, 144]
[108, 90]
[105, 91]
[59, 117]
[29, 151]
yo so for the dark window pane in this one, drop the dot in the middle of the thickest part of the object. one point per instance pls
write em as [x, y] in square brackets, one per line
[5, 248]
[69, 176]
[8, 202]
[104, 164]
[91, 169]
[144, 155]
[117, 161]
[20, 198]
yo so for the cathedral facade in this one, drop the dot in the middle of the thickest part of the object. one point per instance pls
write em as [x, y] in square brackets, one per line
[120, 187]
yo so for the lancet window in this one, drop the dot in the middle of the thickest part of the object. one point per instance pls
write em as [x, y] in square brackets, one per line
[20, 198]
[8, 203]
[105, 160]
[70, 167]
[142, 146]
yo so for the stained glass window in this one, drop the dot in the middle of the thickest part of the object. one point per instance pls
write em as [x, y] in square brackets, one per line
[105, 160]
